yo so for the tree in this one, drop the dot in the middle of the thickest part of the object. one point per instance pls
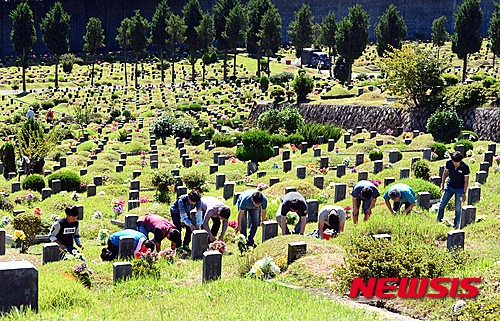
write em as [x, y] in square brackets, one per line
[221, 12]
[303, 85]
[412, 72]
[270, 34]
[138, 30]
[192, 18]
[23, 34]
[176, 30]
[34, 145]
[316, 35]
[467, 39]
[94, 39]
[206, 33]
[123, 39]
[300, 30]
[494, 32]
[390, 31]
[256, 10]
[159, 31]
[55, 28]
[328, 30]
[352, 36]
[235, 29]
[439, 33]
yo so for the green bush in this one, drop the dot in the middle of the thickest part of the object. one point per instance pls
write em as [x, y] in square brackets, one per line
[192, 106]
[421, 169]
[8, 157]
[341, 70]
[291, 119]
[47, 104]
[222, 140]
[256, 138]
[303, 85]
[34, 182]
[472, 136]
[278, 94]
[440, 149]
[375, 154]
[419, 185]
[444, 125]
[468, 145]
[182, 129]
[163, 127]
[195, 180]
[480, 309]
[462, 97]
[209, 132]
[61, 100]
[127, 113]
[134, 148]
[67, 61]
[450, 79]
[278, 140]
[264, 83]
[281, 78]
[6, 204]
[115, 113]
[488, 82]
[70, 181]
[311, 132]
[165, 182]
[195, 139]
[256, 146]
[295, 139]
[270, 120]
[29, 223]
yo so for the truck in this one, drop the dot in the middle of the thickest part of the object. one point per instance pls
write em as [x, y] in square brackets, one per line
[312, 56]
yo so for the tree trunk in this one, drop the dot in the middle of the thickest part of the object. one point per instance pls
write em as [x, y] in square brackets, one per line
[125, 66]
[161, 65]
[23, 62]
[57, 77]
[92, 74]
[331, 64]
[494, 56]
[258, 61]
[225, 64]
[268, 65]
[300, 56]
[464, 72]
[173, 67]
[349, 73]
[203, 63]
[193, 61]
[136, 71]
[234, 63]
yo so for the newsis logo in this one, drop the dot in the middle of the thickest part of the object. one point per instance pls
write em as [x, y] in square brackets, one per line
[386, 288]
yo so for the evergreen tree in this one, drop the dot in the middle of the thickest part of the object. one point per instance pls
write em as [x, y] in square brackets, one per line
[390, 31]
[352, 36]
[94, 39]
[328, 30]
[235, 29]
[439, 33]
[270, 34]
[159, 32]
[300, 30]
[23, 34]
[467, 39]
[176, 31]
[138, 33]
[206, 33]
[256, 10]
[55, 28]
[123, 39]
[221, 12]
[494, 32]
[192, 18]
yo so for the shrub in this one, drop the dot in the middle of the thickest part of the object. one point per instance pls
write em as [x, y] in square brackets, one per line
[468, 145]
[278, 140]
[34, 182]
[278, 94]
[163, 180]
[291, 119]
[209, 132]
[134, 148]
[303, 85]
[281, 78]
[115, 113]
[421, 169]
[127, 113]
[47, 104]
[29, 223]
[472, 136]
[376, 154]
[8, 157]
[195, 139]
[192, 106]
[61, 100]
[450, 79]
[67, 62]
[462, 97]
[264, 83]
[222, 140]
[256, 147]
[444, 125]
[488, 82]
[5, 204]
[270, 120]
[182, 129]
[311, 132]
[295, 138]
[440, 149]
[70, 181]
[195, 180]
[163, 127]
[419, 185]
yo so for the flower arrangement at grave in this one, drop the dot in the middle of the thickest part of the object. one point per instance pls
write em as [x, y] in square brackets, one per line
[144, 264]
[480, 150]
[29, 224]
[217, 246]
[144, 199]
[390, 142]
[434, 156]
[241, 241]
[262, 186]
[337, 149]
[75, 196]
[233, 224]
[37, 211]
[322, 197]
[293, 148]
[82, 273]
[5, 220]
[18, 236]
[496, 169]
[97, 215]
[264, 269]
[292, 218]
[497, 159]
[168, 255]
[346, 161]
[348, 211]
[376, 182]
[117, 205]
[103, 236]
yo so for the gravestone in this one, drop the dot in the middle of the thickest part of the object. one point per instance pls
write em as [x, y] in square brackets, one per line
[269, 230]
[90, 162]
[50, 253]
[319, 181]
[347, 137]
[361, 140]
[135, 184]
[221, 160]
[466, 136]
[46, 192]
[11, 175]
[56, 186]
[468, 216]
[276, 150]
[79, 209]
[460, 148]
[189, 163]
[373, 134]
[360, 159]
[312, 210]
[175, 172]
[273, 180]
[301, 172]
[481, 177]
[303, 147]
[436, 180]
[323, 162]
[386, 237]
[379, 142]
[228, 190]
[62, 162]
[426, 153]
[492, 148]
[133, 194]
[317, 152]
[296, 250]
[340, 170]
[251, 168]
[126, 247]
[407, 141]
[216, 157]
[91, 190]
[348, 144]
[378, 166]
[362, 176]
[122, 162]
[2, 241]
[181, 190]
[441, 170]
[488, 157]
[455, 240]
[261, 174]
[219, 180]
[287, 166]
[212, 265]
[136, 173]
[285, 155]
[199, 244]
[404, 173]
[235, 198]
[414, 160]
[290, 189]
[121, 271]
[393, 156]
[131, 221]
[331, 145]
[16, 187]
[424, 200]
[19, 280]
[474, 195]
[17, 212]
[484, 166]
[388, 181]
[340, 191]
[321, 140]
[213, 168]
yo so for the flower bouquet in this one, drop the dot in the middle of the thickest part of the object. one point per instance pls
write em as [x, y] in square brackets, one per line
[292, 218]
[82, 273]
[103, 236]
[118, 206]
[242, 243]
[233, 224]
[167, 254]
[264, 269]
[217, 246]
[328, 233]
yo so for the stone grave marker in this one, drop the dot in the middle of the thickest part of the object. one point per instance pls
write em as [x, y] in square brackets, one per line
[261, 174]
[213, 168]
[228, 190]
[414, 160]
[251, 168]
[216, 156]
[362, 176]
[312, 210]
[468, 216]
[373, 134]
[340, 191]
[388, 181]
[19, 280]
[474, 195]
[460, 148]
[386, 237]
[91, 190]
[348, 144]
[296, 250]
[426, 153]
[181, 190]
[379, 142]
[404, 173]
[269, 230]
[488, 157]
[484, 166]
[126, 247]
[56, 186]
[317, 152]
[2, 241]
[455, 240]
[441, 170]
[319, 181]
[50, 253]
[492, 148]
[16, 187]
[79, 208]
[378, 166]
[360, 159]
[347, 137]
[301, 172]
[121, 271]
[212, 265]
[436, 180]
[273, 180]
[235, 198]
[133, 194]
[199, 244]
[135, 184]
[221, 160]
[290, 189]
[220, 179]
[340, 170]
[481, 177]
[136, 174]
[46, 192]
[323, 162]
[331, 145]
[287, 166]
[424, 200]
[303, 147]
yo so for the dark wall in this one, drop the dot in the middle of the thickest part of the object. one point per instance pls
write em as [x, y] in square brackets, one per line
[418, 15]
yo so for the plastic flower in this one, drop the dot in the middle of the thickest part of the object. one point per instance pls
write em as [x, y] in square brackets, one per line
[37, 211]
[19, 236]
[262, 186]
[233, 224]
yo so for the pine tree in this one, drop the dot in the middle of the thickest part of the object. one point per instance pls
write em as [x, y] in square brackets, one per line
[235, 29]
[94, 39]
[192, 18]
[300, 30]
[494, 32]
[123, 39]
[176, 30]
[138, 33]
[390, 31]
[206, 33]
[328, 30]
[270, 34]
[159, 32]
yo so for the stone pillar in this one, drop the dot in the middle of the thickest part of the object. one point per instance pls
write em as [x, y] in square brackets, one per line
[360, 159]
[126, 247]
[404, 173]
[474, 195]
[214, 168]
[98, 180]
[228, 190]
[319, 181]
[220, 179]
[331, 145]
[426, 153]
[286, 155]
[56, 186]
[19, 281]
[340, 170]
[488, 157]
[135, 184]
[424, 200]
[323, 161]
[91, 190]
[287, 166]
[378, 166]
[481, 177]
[393, 156]
[468, 216]
[301, 172]
[456, 240]
[492, 148]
